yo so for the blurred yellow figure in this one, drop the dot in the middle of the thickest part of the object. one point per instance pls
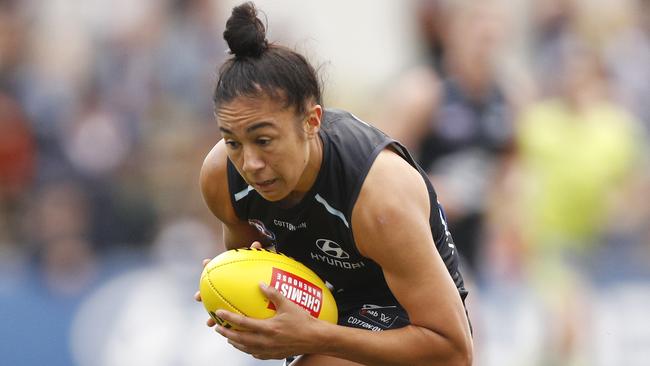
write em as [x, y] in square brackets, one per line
[575, 160]
[577, 152]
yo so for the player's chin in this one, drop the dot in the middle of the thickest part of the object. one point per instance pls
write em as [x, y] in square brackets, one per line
[273, 195]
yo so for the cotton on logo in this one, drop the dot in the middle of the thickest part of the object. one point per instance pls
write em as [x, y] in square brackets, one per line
[332, 249]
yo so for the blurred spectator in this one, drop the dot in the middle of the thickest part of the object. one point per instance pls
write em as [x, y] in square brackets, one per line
[40, 301]
[461, 126]
[62, 246]
[12, 43]
[17, 169]
[553, 21]
[97, 142]
[626, 46]
[432, 22]
[577, 151]
[188, 54]
[614, 26]
[17, 147]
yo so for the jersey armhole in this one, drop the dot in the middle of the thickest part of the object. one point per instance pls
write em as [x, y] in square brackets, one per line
[354, 194]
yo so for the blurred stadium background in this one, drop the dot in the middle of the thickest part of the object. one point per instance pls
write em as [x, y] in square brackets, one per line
[531, 116]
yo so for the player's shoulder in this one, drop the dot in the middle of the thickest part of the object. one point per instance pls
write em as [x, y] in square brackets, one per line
[214, 182]
[215, 163]
[391, 183]
[393, 196]
[390, 168]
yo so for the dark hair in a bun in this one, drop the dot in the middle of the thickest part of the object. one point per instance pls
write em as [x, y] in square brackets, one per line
[258, 68]
[245, 33]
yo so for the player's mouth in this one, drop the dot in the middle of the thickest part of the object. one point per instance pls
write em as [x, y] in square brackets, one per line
[265, 185]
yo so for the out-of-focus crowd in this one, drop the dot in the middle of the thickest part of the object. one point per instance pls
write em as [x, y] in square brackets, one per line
[531, 117]
[536, 141]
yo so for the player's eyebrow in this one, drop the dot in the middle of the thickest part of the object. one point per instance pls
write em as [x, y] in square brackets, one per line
[250, 128]
[258, 125]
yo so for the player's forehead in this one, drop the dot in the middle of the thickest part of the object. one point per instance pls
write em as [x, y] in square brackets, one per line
[242, 112]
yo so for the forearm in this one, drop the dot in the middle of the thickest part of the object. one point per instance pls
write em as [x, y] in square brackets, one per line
[411, 345]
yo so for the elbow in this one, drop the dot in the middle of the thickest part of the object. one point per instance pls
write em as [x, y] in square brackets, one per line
[455, 355]
[455, 358]
[465, 359]
[464, 354]
[453, 348]
[459, 353]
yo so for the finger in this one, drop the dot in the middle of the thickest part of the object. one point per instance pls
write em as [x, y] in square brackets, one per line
[210, 322]
[274, 296]
[240, 321]
[228, 333]
[206, 261]
[197, 296]
[256, 245]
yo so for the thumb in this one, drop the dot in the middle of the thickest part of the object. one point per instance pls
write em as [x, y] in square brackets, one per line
[274, 296]
[256, 245]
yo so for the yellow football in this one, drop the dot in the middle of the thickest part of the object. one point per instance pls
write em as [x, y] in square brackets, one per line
[231, 282]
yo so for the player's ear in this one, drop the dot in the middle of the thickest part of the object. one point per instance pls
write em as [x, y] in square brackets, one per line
[313, 119]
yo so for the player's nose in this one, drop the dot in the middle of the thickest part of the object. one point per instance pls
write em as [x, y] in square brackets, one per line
[253, 161]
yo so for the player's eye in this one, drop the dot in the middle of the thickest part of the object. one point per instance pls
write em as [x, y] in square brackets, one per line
[265, 141]
[231, 144]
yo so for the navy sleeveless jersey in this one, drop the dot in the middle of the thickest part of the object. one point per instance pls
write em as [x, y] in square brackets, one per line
[317, 231]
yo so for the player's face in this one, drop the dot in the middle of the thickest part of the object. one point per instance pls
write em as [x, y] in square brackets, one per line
[272, 147]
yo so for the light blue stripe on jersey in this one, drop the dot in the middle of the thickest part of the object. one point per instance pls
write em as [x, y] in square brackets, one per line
[332, 210]
[243, 193]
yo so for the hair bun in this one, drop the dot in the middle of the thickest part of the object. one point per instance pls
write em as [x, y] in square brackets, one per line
[245, 33]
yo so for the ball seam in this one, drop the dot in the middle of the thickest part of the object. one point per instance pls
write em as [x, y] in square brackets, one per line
[223, 298]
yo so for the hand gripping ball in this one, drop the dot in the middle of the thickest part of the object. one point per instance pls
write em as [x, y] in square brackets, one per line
[231, 282]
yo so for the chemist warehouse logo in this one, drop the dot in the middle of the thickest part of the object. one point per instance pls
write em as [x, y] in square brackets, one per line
[334, 255]
[298, 290]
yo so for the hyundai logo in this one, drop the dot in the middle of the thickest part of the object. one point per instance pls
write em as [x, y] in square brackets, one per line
[332, 249]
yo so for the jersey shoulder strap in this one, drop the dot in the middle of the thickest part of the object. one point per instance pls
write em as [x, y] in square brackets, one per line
[354, 146]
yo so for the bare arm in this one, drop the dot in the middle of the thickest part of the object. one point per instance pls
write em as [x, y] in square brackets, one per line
[391, 226]
[214, 187]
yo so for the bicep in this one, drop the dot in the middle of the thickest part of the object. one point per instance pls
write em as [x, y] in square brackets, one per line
[391, 226]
